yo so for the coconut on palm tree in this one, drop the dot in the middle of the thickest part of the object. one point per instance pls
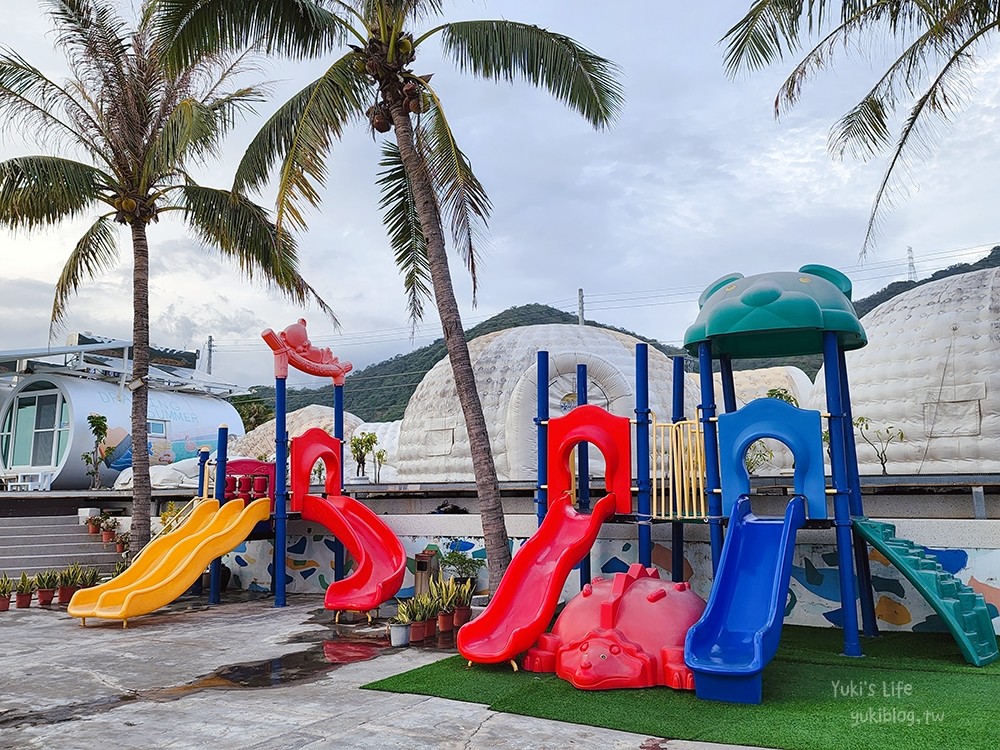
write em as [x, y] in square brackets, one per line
[128, 129]
[934, 43]
[426, 180]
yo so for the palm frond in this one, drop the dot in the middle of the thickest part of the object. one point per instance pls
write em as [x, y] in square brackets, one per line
[463, 199]
[504, 50]
[820, 56]
[402, 220]
[864, 130]
[939, 100]
[300, 133]
[411, 10]
[95, 253]
[189, 29]
[243, 232]
[30, 102]
[768, 31]
[97, 44]
[40, 191]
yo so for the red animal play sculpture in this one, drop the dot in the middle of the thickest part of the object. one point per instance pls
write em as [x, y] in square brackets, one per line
[293, 347]
[627, 632]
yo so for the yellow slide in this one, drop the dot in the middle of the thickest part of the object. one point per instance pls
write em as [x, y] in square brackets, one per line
[170, 568]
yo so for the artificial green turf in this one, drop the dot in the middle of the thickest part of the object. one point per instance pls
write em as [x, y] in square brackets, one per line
[912, 691]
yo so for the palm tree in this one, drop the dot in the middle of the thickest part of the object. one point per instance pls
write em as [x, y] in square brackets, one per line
[937, 42]
[425, 178]
[134, 127]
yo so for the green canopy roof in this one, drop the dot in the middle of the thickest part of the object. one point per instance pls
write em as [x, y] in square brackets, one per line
[778, 314]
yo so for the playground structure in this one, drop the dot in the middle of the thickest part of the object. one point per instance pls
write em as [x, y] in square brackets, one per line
[248, 493]
[174, 560]
[770, 315]
[380, 559]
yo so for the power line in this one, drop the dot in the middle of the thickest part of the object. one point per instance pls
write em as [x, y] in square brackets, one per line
[598, 302]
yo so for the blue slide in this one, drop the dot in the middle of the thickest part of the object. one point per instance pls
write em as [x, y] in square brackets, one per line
[728, 648]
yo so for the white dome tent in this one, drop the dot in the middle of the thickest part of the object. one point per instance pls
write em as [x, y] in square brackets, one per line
[931, 369]
[433, 445]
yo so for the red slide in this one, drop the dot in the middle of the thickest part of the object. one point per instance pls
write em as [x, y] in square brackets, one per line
[379, 557]
[526, 598]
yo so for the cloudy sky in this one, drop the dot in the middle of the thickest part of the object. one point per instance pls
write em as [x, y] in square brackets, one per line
[697, 179]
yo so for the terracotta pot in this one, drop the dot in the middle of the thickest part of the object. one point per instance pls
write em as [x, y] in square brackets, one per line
[446, 622]
[4, 603]
[45, 596]
[22, 600]
[462, 616]
[93, 528]
[65, 593]
[107, 536]
[431, 627]
[418, 631]
[119, 548]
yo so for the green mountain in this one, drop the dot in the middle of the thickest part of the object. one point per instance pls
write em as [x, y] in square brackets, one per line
[380, 392]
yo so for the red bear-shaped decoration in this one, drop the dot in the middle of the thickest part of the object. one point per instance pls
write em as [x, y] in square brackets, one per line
[627, 632]
[293, 347]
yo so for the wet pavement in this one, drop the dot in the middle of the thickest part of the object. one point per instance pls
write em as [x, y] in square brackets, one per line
[245, 676]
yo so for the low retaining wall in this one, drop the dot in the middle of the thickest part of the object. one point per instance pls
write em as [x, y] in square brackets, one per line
[969, 549]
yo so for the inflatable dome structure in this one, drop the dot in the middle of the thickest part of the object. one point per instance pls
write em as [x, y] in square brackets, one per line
[931, 369]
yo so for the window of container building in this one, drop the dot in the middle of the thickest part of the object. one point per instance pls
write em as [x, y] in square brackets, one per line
[35, 430]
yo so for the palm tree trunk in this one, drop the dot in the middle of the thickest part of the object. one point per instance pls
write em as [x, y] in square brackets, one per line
[141, 489]
[488, 487]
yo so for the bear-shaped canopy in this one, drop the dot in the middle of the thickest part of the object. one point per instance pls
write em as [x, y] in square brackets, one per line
[779, 314]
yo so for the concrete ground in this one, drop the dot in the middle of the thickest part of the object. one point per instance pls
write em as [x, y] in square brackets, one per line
[242, 675]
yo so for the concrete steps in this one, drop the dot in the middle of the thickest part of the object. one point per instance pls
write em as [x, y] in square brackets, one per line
[51, 543]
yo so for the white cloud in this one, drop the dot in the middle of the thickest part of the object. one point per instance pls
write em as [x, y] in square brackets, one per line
[696, 180]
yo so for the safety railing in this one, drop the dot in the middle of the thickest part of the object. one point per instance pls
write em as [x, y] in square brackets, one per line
[678, 468]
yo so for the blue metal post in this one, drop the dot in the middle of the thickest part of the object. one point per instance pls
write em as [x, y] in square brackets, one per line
[644, 504]
[541, 421]
[841, 499]
[215, 568]
[713, 483]
[583, 469]
[338, 432]
[728, 385]
[203, 454]
[280, 493]
[866, 594]
[677, 528]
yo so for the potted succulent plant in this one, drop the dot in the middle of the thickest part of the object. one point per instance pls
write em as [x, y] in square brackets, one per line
[46, 581]
[94, 524]
[69, 582]
[89, 577]
[424, 615]
[24, 589]
[444, 594]
[120, 567]
[399, 624]
[430, 611]
[109, 527]
[463, 602]
[6, 588]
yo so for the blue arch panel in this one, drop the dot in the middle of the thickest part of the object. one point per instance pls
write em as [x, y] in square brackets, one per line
[800, 429]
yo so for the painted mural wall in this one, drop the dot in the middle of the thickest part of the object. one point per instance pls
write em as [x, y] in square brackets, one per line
[812, 596]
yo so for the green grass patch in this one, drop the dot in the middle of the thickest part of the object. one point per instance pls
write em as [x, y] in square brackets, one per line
[911, 690]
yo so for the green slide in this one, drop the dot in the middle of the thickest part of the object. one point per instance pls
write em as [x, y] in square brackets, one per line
[962, 609]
